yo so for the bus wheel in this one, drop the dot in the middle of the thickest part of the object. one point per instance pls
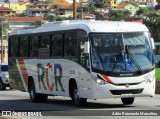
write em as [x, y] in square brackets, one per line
[2, 86]
[35, 97]
[80, 102]
[127, 101]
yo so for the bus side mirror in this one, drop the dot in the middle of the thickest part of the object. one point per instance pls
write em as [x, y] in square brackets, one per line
[86, 47]
[152, 43]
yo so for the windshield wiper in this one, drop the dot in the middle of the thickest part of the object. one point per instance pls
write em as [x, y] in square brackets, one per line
[131, 56]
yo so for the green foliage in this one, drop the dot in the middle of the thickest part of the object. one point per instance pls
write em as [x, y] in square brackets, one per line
[99, 4]
[158, 74]
[152, 21]
[6, 28]
[98, 16]
[157, 7]
[119, 15]
[50, 18]
[56, 9]
[91, 7]
[142, 10]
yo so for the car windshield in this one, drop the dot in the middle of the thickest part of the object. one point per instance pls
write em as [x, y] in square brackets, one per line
[4, 67]
[121, 52]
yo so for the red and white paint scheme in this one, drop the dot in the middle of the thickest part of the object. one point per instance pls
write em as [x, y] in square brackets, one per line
[83, 59]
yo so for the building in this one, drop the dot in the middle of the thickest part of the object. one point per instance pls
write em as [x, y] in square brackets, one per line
[130, 6]
[37, 9]
[111, 3]
[19, 6]
[7, 12]
[17, 23]
[143, 3]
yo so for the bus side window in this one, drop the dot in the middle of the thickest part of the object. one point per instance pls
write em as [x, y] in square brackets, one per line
[13, 50]
[70, 44]
[57, 42]
[45, 41]
[23, 51]
[34, 46]
[83, 58]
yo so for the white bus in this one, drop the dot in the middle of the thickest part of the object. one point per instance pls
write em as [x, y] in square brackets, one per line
[83, 59]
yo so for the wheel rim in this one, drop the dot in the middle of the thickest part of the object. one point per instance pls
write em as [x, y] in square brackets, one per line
[76, 96]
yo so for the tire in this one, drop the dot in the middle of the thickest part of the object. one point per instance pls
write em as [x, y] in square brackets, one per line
[2, 85]
[35, 97]
[80, 102]
[127, 101]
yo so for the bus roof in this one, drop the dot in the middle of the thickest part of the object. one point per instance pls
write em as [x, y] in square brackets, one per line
[87, 25]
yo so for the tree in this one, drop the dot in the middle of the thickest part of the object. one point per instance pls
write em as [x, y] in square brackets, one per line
[152, 21]
[157, 7]
[119, 15]
[99, 4]
[48, 17]
[5, 27]
[142, 11]
[98, 16]
[91, 7]
[55, 7]
[51, 18]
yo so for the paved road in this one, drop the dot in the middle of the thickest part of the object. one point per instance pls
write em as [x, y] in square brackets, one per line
[16, 101]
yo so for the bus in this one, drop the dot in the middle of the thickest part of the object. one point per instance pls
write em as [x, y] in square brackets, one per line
[83, 59]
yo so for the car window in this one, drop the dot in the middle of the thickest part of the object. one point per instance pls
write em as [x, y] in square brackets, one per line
[4, 67]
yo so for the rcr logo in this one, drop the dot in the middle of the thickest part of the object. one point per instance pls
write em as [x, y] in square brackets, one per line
[56, 73]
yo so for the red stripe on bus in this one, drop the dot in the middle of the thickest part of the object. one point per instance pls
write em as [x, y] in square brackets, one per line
[23, 71]
[106, 78]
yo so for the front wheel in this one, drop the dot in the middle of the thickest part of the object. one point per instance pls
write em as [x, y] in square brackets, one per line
[80, 102]
[127, 101]
[35, 97]
[2, 85]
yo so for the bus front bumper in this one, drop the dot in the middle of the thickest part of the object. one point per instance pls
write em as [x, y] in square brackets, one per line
[142, 89]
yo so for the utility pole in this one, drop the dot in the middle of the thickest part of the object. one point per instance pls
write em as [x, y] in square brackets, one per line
[74, 10]
[2, 40]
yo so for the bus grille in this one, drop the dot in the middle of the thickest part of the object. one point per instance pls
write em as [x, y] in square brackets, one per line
[131, 91]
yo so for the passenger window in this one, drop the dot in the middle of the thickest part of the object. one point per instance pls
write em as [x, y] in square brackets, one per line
[23, 51]
[14, 50]
[45, 41]
[70, 44]
[34, 46]
[57, 42]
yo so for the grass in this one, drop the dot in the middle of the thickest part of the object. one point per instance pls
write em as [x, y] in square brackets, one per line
[158, 74]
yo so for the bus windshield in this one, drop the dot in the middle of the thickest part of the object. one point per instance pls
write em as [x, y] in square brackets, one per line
[121, 52]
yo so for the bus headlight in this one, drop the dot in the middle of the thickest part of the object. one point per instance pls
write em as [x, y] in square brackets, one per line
[149, 80]
[99, 81]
